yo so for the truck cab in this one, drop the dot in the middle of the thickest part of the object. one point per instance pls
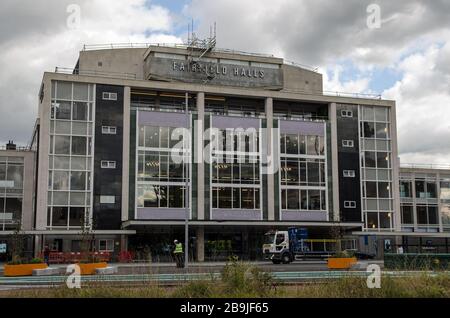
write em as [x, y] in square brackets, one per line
[276, 247]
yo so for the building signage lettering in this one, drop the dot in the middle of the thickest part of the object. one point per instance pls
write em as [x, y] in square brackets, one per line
[217, 69]
[214, 73]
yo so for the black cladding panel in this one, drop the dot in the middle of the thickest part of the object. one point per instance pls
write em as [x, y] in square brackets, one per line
[108, 182]
[348, 159]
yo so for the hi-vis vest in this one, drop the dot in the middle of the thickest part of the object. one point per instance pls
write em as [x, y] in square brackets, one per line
[178, 248]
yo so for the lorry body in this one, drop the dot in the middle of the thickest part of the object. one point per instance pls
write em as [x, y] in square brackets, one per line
[283, 246]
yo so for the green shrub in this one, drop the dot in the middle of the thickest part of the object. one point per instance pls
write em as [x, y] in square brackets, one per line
[343, 254]
[195, 289]
[36, 261]
[244, 280]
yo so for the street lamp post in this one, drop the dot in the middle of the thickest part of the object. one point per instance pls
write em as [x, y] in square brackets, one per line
[186, 190]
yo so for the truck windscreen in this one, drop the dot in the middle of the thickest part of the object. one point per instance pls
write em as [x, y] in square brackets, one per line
[269, 238]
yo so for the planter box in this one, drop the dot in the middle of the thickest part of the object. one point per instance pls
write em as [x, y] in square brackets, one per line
[89, 268]
[22, 269]
[341, 263]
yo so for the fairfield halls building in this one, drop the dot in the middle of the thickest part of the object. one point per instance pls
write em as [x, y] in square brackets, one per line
[284, 154]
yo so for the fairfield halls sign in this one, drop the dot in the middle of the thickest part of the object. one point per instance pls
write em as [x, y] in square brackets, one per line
[214, 73]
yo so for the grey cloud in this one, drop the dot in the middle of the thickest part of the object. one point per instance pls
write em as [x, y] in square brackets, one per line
[34, 38]
[19, 18]
[321, 31]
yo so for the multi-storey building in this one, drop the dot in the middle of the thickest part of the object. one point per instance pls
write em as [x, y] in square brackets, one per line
[264, 148]
[425, 208]
[17, 182]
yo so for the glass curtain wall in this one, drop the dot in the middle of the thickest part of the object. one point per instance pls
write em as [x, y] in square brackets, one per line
[303, 173]
[235, 170]
[70, 155]
[11, 191]
[160, 176]
[376, 167]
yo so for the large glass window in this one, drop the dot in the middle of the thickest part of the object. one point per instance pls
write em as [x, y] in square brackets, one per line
[176, 195]
[431, 190]
[225, 198]
[369, 130]
[62, 109]
[62, 145]
[407, 214]
[292, 144]
[80, 111]
[151, 137]
[79, 146]
[293, 199]
[405, 189]
[422, 217]
[78, 181]
[60, 216]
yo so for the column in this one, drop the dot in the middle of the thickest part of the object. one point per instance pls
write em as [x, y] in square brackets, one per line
[200, 234]
[395, 169]
[270, 152]
[123, 243]
[334, 161]
[198, 156]
[126, 152]
[37, 245]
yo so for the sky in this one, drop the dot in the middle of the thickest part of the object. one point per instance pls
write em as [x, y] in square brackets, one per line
[404, 57]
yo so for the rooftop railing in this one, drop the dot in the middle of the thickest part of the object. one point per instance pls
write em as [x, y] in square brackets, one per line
[18, 148]
[91, 47]
[122, 75]
[437, 166]
[352, 95]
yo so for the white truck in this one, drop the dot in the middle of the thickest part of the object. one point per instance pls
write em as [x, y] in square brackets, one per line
[281, 246]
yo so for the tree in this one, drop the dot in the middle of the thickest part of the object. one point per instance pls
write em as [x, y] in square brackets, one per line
[17, 243]
[336, 233]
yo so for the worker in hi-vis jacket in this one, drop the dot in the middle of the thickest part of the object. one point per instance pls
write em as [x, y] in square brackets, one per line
[178, 254]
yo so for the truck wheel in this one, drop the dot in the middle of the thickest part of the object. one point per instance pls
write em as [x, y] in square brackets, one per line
[286, 258]
[276, 261]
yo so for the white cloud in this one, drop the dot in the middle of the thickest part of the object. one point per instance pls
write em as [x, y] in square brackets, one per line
[43, 41]
[423, 106]
[335, 84]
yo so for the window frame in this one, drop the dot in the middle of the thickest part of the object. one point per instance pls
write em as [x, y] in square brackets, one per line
[108, 164]
[109, 130]
[348, 204]
[348, 143]
[345, 113]
[109, 96]
[349, 173]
